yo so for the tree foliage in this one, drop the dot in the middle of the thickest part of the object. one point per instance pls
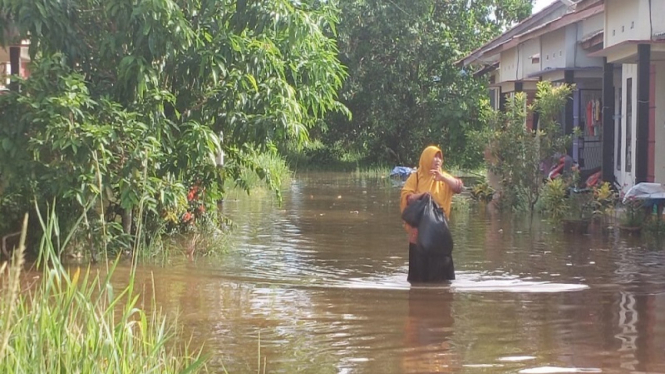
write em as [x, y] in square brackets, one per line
[404, 88]
[129, 101]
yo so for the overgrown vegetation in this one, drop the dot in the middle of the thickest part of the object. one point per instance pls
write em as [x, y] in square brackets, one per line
[275, 168]
[79, 322]
[130, 103]
[560, 201]
[518, 152]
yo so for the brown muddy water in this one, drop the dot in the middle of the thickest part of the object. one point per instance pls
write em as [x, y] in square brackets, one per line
[318, 285]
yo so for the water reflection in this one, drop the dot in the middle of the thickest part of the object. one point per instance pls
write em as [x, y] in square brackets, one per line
[428, 332]
[319, 284]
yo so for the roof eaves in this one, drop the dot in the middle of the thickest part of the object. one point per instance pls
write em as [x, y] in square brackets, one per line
[555, 24]
[590, 36]
[486, 69]
[554, 70]
[474, 55]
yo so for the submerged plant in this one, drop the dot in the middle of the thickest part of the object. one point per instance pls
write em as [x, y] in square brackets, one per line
[655, 226]
[460, 203]
[633, 214]
[554, 199]
[562, 203]
[604, 199]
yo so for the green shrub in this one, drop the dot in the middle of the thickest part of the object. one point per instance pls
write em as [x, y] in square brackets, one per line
[554, 200]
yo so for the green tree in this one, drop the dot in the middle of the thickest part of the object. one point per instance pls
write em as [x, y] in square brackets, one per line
[128, 99]
[404, 89]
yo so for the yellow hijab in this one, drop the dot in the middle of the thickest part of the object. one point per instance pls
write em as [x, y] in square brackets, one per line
[422, 181]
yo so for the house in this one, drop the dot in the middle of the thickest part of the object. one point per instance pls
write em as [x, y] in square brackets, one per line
[634, 49]
[611, 51]
[504, 66]
[13, 60]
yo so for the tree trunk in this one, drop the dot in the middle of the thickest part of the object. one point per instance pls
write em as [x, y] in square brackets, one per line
[127, 221]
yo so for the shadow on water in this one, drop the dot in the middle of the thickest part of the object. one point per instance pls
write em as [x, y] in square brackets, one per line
[320, 284]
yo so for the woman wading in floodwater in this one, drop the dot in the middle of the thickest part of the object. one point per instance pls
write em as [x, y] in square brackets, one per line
[429, 179]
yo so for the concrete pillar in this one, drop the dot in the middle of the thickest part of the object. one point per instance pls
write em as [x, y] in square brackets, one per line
[607, 133]
[642, 130]
[569, 78]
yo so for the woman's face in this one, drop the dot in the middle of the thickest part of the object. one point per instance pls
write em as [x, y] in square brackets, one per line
[437, 161]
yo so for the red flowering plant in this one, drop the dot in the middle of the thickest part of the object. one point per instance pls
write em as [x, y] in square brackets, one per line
[195, 205]
[187, 211]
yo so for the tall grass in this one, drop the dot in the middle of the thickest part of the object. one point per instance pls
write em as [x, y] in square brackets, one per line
[272, 163]
[78, 323]
[372, 172]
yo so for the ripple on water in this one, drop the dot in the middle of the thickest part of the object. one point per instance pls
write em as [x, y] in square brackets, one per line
[479, 283]
[554, 369]
[465, 282]
[516, 358]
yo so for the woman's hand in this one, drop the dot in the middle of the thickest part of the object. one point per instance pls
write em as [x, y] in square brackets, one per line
[413, 235]
[454, 183]
[413, 197]
[438, 175]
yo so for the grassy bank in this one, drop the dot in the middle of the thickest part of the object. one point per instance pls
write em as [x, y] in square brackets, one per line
[57, 322]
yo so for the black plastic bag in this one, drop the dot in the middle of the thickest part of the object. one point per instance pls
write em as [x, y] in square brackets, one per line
[414, 211]
[433, 232]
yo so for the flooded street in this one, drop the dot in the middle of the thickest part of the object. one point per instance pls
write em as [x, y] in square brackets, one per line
[318, 285]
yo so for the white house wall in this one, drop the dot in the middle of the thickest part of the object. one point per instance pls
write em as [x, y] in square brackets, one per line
[625, 177]
[509, 65]
[628, 20]
[553, 50]
[583, 29]
[507, 87]
[570, 43]
[592, 25]
[657, 15]
[527, 50]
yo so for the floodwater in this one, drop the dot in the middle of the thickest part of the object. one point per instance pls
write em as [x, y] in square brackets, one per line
[318, 285]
